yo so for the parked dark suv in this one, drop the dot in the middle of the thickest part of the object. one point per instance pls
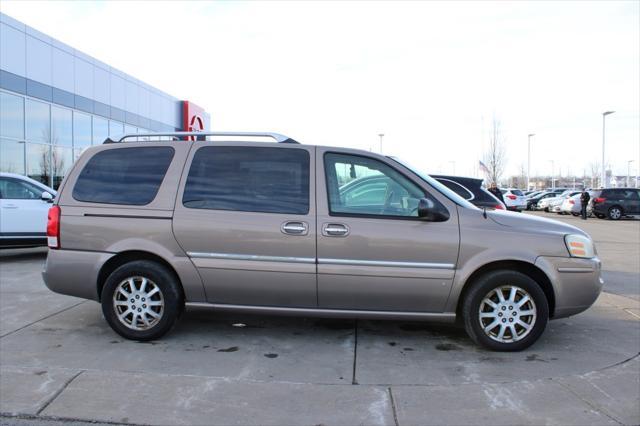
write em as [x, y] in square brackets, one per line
[471, 190]
[614, 203]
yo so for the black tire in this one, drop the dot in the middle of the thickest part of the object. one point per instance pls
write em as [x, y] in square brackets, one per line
[170, 293]
[615, 213]
[485, 284]
[575, 214]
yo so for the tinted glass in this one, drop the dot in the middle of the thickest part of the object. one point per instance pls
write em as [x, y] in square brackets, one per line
[100, 130]
[61, 161]
[457, 188]
[116, 128]
[81, 130]
[517, 192]
[61, 130]
[364, 186]
[37, 121]
[129, 176]
[11, 156]
[250, 179]
[39, 162]
[15, 189]
[11, 116]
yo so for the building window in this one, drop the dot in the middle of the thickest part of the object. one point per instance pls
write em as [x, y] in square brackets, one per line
[61, 126]
[39, 162]
[38, 121]
[11, 116]
[116, 128]
[11, 156]
[100, 130]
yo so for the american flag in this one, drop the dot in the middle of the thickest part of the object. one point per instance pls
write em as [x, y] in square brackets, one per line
[483, 167]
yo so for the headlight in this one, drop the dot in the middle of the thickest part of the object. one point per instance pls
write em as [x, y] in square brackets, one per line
[579, 246]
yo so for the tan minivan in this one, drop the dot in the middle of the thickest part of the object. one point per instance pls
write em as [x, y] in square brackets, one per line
[149, 227]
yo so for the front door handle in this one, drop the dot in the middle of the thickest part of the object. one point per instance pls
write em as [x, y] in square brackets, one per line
[295, 228]
[335, 230]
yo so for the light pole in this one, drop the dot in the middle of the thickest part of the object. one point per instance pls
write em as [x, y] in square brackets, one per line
[381, 136]
[628, 172]
[604, 173]
[529, 159]
[553, 181]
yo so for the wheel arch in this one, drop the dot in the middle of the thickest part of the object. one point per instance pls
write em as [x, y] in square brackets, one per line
[526, 268]
[129, 256]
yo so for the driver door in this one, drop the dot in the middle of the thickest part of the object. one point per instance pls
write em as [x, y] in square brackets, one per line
[374, 252]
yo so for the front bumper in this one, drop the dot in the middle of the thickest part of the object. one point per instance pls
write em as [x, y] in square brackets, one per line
[577, 283]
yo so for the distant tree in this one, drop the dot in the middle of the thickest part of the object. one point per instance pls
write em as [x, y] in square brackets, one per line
[594, 169]
[495, 156]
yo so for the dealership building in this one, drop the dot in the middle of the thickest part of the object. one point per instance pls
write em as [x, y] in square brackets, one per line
[56, 101]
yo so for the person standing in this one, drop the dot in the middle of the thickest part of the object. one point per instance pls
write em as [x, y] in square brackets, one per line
[493, 188]
[584, 201]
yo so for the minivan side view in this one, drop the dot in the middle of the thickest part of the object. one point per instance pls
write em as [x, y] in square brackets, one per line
[147, 228]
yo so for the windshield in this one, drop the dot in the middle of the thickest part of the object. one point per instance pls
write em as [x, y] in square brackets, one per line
[437, 185]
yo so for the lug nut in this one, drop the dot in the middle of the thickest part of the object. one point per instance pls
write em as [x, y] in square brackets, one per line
[504, 320]
[139, 310]
[144, 306]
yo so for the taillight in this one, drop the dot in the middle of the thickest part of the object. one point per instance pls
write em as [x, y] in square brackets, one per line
[571, 202]
[599, 200]
[499, 207]
[53, 227]
[511, 197]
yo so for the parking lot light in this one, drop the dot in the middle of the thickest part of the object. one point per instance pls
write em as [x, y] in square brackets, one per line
[529, 159]
[603, 182]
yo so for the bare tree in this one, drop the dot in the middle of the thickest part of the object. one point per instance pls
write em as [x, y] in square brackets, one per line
[495, 157]
[594, 169]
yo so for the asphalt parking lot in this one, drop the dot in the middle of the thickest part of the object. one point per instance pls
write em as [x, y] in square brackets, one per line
[61, 363]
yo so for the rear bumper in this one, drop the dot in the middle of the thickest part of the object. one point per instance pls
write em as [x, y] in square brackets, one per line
[74, 273]
[576, 283]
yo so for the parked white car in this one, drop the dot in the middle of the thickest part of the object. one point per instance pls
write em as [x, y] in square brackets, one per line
[514, 199]
[24, 205]
[555, 204]
[573, 205]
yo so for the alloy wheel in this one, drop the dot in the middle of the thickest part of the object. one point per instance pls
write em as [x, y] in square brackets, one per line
[507, 314]
[138, 303]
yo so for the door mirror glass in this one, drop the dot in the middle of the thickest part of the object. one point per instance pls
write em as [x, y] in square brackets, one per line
[46, 196]
[432, 212]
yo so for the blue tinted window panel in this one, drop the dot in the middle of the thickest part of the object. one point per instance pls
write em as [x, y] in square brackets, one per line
[39, 90]
[13, 82]
[101, 109]
[63, 97]
[117, 113]
[132, 119]
[83, 104]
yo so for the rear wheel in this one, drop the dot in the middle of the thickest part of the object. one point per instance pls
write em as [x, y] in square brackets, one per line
[505, 311]
[614, 213]
[141, 300]
[575, 214]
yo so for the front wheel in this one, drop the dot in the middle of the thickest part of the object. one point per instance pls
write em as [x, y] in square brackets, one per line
[141, 300]
[505, 311]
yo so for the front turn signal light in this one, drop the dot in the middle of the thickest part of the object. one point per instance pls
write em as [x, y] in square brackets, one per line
[579, 246]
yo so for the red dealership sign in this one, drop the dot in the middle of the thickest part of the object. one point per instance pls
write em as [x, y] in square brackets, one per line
[192, 118]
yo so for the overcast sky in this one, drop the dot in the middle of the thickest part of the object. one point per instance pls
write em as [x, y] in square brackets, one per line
[430, 76]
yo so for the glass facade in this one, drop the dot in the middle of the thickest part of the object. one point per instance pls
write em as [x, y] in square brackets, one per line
[42, 140]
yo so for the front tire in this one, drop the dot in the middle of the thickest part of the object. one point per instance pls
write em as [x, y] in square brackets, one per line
[141, 300]
[505, 311]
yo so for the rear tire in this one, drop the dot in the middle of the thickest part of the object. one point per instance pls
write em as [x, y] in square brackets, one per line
[141, 300]
[615, 213]
[575, 214]
[512, 324]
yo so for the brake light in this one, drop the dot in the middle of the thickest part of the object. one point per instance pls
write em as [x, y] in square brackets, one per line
[571, 202]
[511, 197]
[599, 200]
[499, 207]
[53, 227]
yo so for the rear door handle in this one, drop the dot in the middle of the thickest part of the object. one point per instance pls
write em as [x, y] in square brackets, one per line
[335, 230]
[295, 228]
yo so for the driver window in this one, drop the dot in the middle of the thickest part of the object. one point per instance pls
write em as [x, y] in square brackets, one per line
[361, 185]
[17, 190]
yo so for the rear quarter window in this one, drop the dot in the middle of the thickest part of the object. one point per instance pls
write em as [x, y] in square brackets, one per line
[129, 176]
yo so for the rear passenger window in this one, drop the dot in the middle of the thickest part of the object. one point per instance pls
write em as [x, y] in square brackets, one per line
[130, 176]
[249, 179]
[457, 188]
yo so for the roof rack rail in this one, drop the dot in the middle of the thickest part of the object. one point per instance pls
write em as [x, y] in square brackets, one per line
[179, 135]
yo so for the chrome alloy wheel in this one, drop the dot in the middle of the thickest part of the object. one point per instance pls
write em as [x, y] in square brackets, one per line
[615, 213]
[507, 314]
[138, 303]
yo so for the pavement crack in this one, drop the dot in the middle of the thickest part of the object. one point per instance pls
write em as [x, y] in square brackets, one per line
[355, 355]
[58, 392]
[42, 319]
[592, 405]
[393, 407]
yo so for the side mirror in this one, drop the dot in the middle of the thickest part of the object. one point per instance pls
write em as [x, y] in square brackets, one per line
[432, 212]
[46, 196]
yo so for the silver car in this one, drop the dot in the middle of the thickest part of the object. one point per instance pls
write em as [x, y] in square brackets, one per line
[149, 228]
